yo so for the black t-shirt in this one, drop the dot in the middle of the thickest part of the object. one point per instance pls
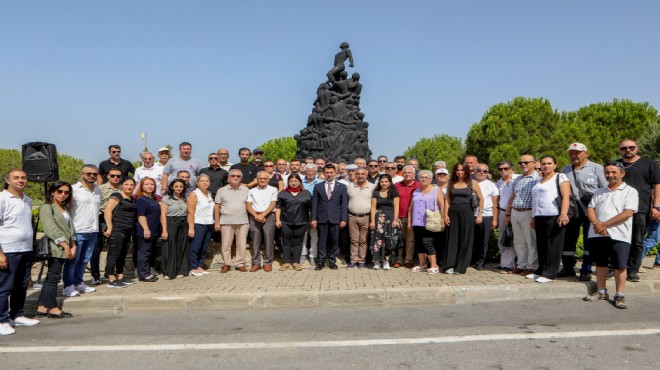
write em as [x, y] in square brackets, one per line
[124, 166]
[275, 180]
[374, 179]
[124, 215]
[642, 175]
[218, 178]
[249, 171]
[294, 209]
[385, 204]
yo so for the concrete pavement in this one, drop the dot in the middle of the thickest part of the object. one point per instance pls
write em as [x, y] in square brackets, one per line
[340, 288]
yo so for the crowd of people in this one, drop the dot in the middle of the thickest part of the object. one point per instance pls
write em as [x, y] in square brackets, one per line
[389, 214]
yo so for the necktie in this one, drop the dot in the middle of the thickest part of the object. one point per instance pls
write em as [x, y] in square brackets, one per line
[329, 191]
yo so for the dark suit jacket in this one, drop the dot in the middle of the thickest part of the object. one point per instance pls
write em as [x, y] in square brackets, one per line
[333, 210]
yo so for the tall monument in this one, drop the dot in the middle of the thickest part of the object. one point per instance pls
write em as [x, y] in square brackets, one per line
[336, 130]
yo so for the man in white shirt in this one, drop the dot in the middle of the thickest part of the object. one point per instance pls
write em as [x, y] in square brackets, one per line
[610, 213]
[224, 159]
[507, 253]
[260, 206]
[490, 215]
[15, 251]
[85, 210]
[163, 156]
[149, 169]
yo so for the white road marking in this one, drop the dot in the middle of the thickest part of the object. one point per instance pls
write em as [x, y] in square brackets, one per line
[335, 343]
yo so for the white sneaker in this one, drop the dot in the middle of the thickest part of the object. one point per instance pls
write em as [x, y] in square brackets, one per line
[449, 271]
[70, 291]
[532, 276]
[6, 329]
[153, 271]
[83, 288]
[543, 279]
[386, 265]
[376, 265]
[23, 321]
[96, 282]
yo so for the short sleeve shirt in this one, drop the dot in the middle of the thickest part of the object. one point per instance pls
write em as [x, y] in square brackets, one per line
[609, 203]
[359, 198]
[544, 196]
[642, 175]
[261, 199]
[177, 164]
[405, 196]
[232, 205]
[150, 209]
[124, 166]
[15, 223]
[176, 207]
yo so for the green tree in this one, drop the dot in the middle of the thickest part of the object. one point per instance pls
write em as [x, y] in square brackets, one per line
[283, 147]
[437, 148]
[68, 166]
[649, 142]
[508, 130]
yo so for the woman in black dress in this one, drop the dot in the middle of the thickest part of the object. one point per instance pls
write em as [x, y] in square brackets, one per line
[120, 215]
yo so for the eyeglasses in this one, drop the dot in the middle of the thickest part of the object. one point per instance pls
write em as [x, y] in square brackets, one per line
[114, 176]
[269, 165]
[91, 173]
[147, 159]
[503, 169]
[624, 148]
[213, 158]
[525, 162]
[60, 191]
[615, 164]
[382, 160]
[234, 175]
[373, 165]
[478, 170]
[390, 168]
[115, 151]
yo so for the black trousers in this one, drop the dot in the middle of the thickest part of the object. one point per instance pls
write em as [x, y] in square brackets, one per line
[637, 244]
[13, 285]
[328, 243]
[481, 240]
[144, 248]
[175, 249]
[117, 250]
[292, 242]
[570, 240]
[48, 294]
[460, 237]
[549, 245]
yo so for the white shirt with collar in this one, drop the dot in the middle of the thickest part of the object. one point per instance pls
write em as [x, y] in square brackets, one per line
[609, 203]
[155, 172]
[85, 208]
[15, 223]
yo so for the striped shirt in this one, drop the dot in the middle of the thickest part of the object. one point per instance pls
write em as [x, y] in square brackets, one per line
[522, 190]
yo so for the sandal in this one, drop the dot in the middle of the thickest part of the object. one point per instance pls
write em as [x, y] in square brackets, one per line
[418, 269]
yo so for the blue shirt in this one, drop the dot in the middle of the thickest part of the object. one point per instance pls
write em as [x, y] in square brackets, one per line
[149, 208]
[522, 190]
[309, 185]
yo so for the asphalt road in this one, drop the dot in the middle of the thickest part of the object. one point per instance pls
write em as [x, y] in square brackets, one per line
[559, 334]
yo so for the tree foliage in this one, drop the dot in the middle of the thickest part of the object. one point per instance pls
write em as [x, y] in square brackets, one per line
[649, 142]
[283, 147]
[438, 148]
[69, 169]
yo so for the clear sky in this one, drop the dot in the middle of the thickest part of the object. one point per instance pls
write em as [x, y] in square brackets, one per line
[85, 74]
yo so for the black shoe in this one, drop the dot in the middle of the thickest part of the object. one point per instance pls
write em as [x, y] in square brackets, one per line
[150, 279]
[566, 272]
[585, 276]
[39, 313]
[126, 281]
[633, 277]
[61, 315]
[318, 268]
[480, 268]
[333, 267]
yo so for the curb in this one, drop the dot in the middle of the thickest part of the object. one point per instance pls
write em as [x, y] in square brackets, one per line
[440, 295]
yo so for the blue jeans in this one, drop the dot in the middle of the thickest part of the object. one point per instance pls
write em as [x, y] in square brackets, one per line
[74, 269]
[198, 245]
[652, 238]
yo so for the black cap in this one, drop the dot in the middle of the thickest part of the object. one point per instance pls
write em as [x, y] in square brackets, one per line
[258, 150]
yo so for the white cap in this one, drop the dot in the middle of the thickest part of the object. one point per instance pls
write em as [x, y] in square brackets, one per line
[578, 146]
[163, 149]
[442, 170]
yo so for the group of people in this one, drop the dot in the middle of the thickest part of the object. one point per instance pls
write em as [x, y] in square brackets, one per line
[387, 212]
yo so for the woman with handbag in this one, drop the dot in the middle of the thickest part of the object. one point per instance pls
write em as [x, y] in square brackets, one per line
[463, 198]
[55, 216]
[384, 205]
[550, 208]
[427, 198]
[120, 216]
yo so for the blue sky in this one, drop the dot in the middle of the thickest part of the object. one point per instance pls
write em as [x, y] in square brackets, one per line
[86, 74]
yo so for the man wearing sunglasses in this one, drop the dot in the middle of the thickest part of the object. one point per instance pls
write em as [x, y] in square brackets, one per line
[112, 186]
[644, 176]
[115, 161]
[504, 187]
[585, 177]
[373, 171]
[482, 231]
[519, 213]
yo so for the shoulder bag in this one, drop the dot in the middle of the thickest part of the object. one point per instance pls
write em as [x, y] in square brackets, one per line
[433, 217]
[573, 208]
[40, 248]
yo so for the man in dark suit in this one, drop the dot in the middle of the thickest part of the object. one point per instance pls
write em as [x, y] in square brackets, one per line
[329, 214]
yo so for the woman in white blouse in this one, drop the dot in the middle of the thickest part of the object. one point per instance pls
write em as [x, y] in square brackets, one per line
[550, 213]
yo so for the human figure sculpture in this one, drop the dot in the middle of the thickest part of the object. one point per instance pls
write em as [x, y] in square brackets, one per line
[340, 58]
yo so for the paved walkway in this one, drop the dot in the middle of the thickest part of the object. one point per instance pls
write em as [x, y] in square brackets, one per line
[352, 287]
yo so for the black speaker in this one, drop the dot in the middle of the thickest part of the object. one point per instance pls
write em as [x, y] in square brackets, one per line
[40, 162]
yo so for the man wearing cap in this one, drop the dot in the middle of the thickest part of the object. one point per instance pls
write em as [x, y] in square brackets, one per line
[115, 161]
[163, 156]
[247, 168]
[585, 177]
[491, 195]
[149, 169]
[359, 208]
[642, 174]
[258, 159]
[350, 175]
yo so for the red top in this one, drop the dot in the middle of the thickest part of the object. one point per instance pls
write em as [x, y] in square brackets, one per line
[405, 195]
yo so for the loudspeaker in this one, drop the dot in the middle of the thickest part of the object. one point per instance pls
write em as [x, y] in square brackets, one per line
[40, 162]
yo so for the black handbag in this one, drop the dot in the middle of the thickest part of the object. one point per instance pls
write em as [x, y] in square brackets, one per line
[573, 208]
[40, 248]
[507, 241]
[397, 240]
